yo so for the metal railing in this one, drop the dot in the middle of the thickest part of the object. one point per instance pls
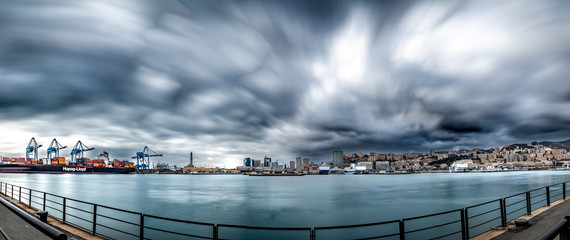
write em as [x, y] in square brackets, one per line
[560, 230]
[115, 223]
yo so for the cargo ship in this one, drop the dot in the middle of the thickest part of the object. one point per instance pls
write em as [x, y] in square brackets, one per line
[59, 165]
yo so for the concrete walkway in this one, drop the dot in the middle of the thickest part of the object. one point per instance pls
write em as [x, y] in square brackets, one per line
[540, 221]
[16, 228]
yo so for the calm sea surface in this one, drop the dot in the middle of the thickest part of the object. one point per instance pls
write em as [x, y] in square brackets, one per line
[303, 201]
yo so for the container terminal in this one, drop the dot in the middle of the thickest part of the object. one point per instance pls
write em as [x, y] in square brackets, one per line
[77, 163]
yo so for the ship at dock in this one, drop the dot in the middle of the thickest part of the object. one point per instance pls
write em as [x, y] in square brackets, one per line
[56, 164]
[29, 168]
[59, 165]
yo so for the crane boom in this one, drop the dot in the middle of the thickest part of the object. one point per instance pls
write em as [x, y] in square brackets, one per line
[142, 163]
[32, 148]
[78, 150]
[54, 148]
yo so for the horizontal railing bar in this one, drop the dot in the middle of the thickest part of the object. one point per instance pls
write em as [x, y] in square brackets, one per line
[179, 220]
[183, 234]
[446, 235]
[358, 225]
[38, 197]
[55, 209]
[89, 221]
[55, 195]
[80, 202]
[537, 189]
[539, 195]
[481, 204]
[539, 202]
[79, 209]
[118, 230]
[119, 220]
[431, 215]
[499, 217]
[39, 203]
[377, 237]
[47, 200]
[517, 210]
[483, 213]
[118, 209]
[264, 228]
[435, 226]
[520, 201]
[514, 195]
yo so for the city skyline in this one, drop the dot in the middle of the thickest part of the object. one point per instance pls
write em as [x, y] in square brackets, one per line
[233, 79]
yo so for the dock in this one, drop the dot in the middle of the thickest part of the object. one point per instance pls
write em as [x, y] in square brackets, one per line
[16, 227]
[540, 221]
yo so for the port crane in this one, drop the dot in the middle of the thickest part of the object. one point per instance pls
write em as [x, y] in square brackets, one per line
[78, 150]
[32, 148]
[53, 149]
[142, 164]
[104, 155]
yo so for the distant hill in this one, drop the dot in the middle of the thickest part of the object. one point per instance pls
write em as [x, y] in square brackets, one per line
[563, 144]
[518, 145]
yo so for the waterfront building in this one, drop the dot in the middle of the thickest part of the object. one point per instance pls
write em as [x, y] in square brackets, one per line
[337, 158]
[298, 164]
[305, 162]
[257, 163]
[248, 162]
[383, 165]
[366, 165]
[292, 164]
[266, 161]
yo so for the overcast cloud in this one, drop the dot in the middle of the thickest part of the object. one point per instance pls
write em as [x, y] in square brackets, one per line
[231, 79]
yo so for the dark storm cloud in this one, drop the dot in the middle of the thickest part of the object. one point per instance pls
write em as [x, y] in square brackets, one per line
[230, 79]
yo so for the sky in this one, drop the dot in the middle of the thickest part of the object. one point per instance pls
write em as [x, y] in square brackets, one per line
[233, 79]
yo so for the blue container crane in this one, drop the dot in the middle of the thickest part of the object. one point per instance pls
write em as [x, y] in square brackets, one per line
[78, 149]
[32, 147]
[53, 149]
[142, 163]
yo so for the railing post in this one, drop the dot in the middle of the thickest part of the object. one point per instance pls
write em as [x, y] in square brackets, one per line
[563, 191]
[20, 195]
[94, 218]
[313, 234]
[215, 232]
[402, 230]
[30, 199]
[565, 232]
[466, 217]
[462, 214]
[44, 201]
[64, 202]
[528, 206]
[503, 217]
[141, 230]
[547, 195]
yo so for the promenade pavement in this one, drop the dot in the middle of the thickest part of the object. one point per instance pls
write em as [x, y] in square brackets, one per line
[539, 223]
[16, 228]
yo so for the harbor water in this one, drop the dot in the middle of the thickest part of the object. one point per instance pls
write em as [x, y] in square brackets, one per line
[289, 201]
